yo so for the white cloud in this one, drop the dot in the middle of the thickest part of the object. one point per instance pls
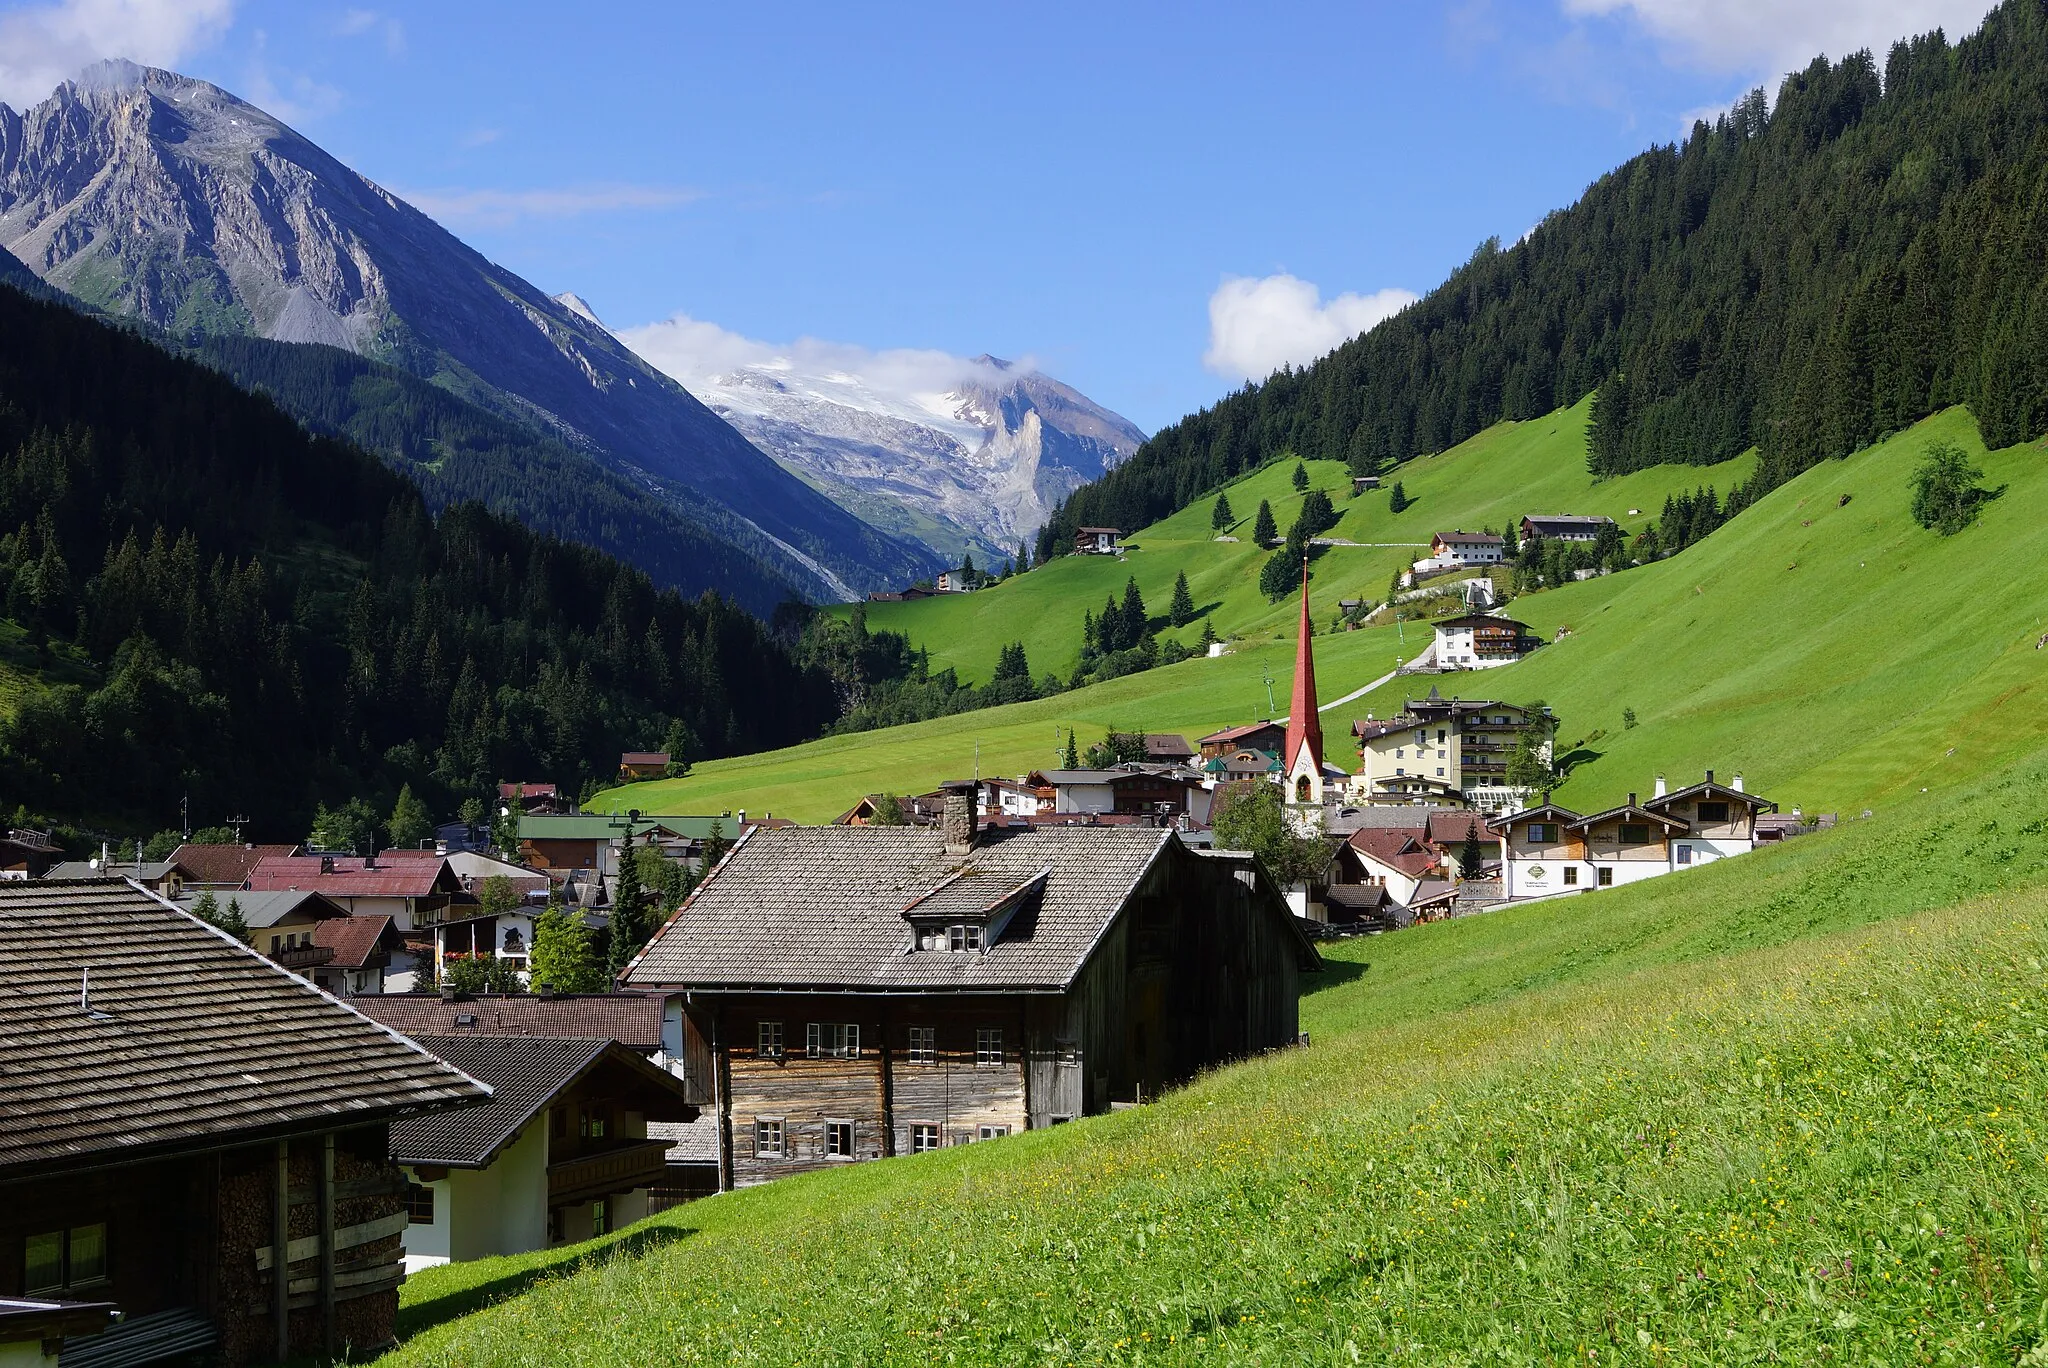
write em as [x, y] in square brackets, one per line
[1257, 326]
[356, 23]
[1768, 38]
[696, 354]
[496, 208]
[46, 44]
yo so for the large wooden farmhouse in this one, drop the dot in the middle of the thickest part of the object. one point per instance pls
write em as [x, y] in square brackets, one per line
[194, 1136]
[867, 992]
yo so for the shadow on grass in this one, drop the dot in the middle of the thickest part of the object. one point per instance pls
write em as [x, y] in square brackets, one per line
[1572, 759]
[1335, 973]
[461, 1301]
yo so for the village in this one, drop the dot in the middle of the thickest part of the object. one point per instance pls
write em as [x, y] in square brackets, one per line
[527, 1031]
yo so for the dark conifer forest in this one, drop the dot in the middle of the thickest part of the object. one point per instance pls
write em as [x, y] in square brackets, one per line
[216, 605]
[1802, 278]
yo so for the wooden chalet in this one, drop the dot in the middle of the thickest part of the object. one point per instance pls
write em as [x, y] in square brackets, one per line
[206, 1150]
[1260, 736]
[1097, 541]
[643, 765]
[28, 853]
[867, 993]
[223, 867]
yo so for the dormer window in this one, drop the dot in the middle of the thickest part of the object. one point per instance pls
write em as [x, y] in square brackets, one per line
[958, 936]
[970, 910]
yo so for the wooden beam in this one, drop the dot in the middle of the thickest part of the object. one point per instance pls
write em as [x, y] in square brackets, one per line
[327, 1327]
[281, 1206]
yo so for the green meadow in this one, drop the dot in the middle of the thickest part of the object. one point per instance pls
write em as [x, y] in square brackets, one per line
[1786, 1108]
[1491, 480]
[1835, 653]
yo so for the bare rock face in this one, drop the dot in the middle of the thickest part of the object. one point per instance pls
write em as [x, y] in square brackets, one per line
[165, 198]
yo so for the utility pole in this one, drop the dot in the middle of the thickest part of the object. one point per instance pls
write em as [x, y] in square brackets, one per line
[185, 815]
[236, 824]
[1271, 708]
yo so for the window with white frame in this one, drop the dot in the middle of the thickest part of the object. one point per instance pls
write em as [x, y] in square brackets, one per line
[962, 937]
[924, 1045]
[839, 1139]
[833, 1040]
[768, 1039]
[768, 1138]
[993, 1132]
[923, 1137]
[988, 1047]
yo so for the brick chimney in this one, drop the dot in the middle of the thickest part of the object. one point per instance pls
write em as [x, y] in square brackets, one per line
[961, 822]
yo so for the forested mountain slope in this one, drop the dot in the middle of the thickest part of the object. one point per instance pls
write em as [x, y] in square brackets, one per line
[207, 602]
[1801, 279]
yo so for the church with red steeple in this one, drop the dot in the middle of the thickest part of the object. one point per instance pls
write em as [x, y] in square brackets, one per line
[1303, 756]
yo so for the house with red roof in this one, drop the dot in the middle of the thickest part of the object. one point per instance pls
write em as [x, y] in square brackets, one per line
[413, 889]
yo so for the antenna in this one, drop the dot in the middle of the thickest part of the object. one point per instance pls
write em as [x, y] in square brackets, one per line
[236, 823]
[1271, 708]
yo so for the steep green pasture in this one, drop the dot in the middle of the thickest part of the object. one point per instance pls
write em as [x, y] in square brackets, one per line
[1837, 654]
[1779, 1109]
[1491, 480]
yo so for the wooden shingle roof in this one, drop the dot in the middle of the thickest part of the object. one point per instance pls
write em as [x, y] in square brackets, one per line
[185, 1040]
[632, 1019]
[822, 907]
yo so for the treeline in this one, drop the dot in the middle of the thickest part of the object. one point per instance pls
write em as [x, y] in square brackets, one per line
[223, 608]
[1802, 279]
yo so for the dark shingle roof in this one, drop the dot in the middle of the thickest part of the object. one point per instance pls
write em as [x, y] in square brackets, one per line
[353, 940]
[629, 1018]
[823, 907]
[525, 1074]
[228, 865]
[192, 1042]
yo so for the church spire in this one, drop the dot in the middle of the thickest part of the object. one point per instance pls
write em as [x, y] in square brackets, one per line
[1304, 726]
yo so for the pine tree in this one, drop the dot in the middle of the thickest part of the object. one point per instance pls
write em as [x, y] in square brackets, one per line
[1300, 476]
[1182, 611]
[1265, 531]
[1281, 574]
[207, 908]
[1072, 760]
[409, 824]
[629, 927]
[1470, 854]
[233, 922]
[1220, 516]
[1137, 626]
[1208, 635]
[1397, 498]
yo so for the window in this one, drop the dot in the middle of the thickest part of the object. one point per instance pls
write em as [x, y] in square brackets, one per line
[994, 1132]
[833, 1040]
[1713, 812]
[1606, 878]
[1571, 874]
[1400, 753]
[963, 937]
[1685, 855]
[923, 1137]
[1067, 1053]
[839, 1139]
[59, 1259]
[1635, 833]
[768, 1137]
[1399, 770]
[593, 1126]
[600, 1216]
[1439, 771]
[924, 1045]
[1543, 833]
[768, 1040]
[988, 1047]
[274, 943]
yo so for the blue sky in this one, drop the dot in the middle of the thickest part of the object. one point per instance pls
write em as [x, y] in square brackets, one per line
[1150, 201]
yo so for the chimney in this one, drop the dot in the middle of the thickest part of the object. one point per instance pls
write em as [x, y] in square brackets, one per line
[1738, 781]
[1710, 776]
[326, 864]
[743, 817]
[1659, 793]
[1631, 800]
[961, 822]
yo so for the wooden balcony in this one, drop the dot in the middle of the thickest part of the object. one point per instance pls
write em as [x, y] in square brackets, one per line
[301, 957]
[634, 1164]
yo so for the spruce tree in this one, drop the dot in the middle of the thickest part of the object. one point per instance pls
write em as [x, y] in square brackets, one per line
[1300, 476]
[1397, 498]
[1072, 760]
[1470, 854]
[1182, 611]
[1265, 531]
[233, 922]
[1137, 626]
[207, 908]
[630, 928]
[1220, 516]
[1208, 635]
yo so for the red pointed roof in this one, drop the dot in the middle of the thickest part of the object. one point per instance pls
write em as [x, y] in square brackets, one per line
[1304, 726]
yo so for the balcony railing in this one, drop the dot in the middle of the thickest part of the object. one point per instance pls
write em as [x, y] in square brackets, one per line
[304, 956]
[636, 1164]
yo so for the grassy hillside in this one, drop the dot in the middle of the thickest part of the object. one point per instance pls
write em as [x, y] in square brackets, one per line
[1838, 655]
[1783, 1109]
[817, 780]
[1493, 479]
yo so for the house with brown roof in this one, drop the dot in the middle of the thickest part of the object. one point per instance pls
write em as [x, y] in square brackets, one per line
[28, 853]
[1461, 550]
[1168, 748]
[360, 951]
[1480, 641]
[866, 992]
[1097, 541]
[413, 888]
[1263, 736]
[165, 878]
[559, 1154]
[1550, 850]
[643, 765]
[1395, 860]
[206, 1150]
[224, 866]
[1570, 527]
